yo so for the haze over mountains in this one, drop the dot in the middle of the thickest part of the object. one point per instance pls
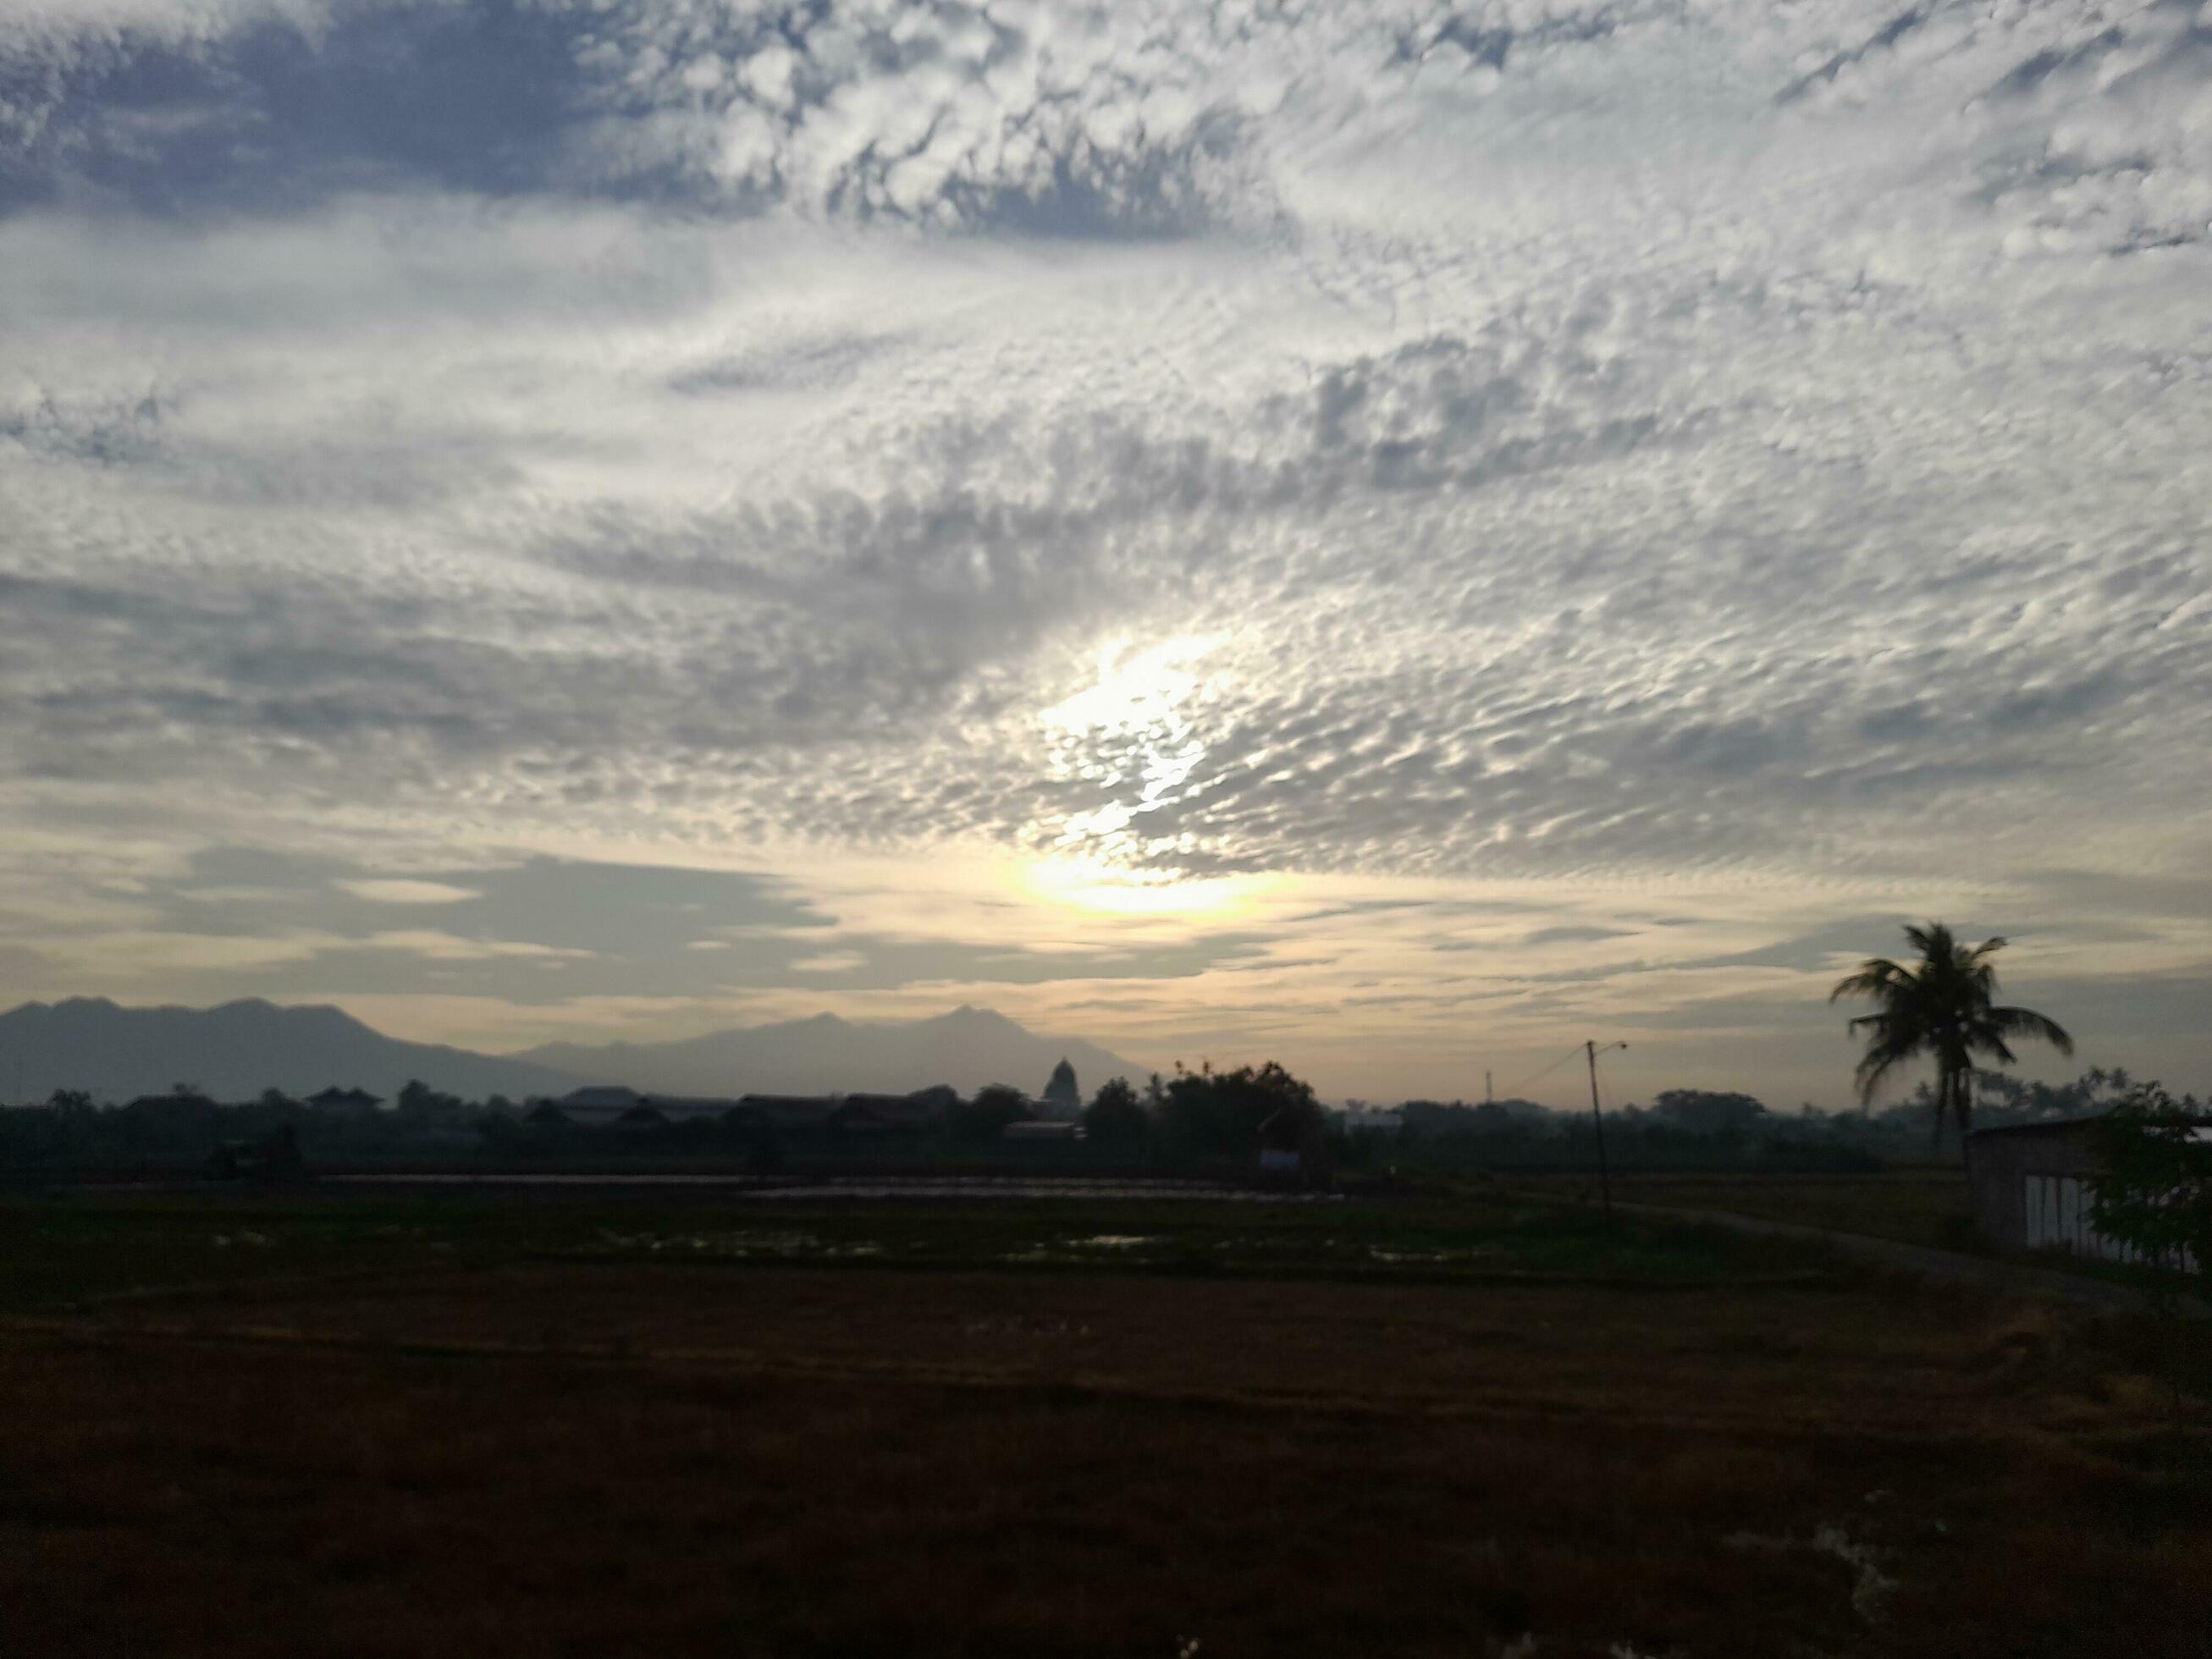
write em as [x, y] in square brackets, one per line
[967, 1049]
[237, 1050]
[234, 1052]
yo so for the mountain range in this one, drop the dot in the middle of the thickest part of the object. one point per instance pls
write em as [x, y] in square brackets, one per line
[967, 1049]
[235, 1051]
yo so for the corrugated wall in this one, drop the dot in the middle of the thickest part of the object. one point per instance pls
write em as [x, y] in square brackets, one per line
[2034, 1192]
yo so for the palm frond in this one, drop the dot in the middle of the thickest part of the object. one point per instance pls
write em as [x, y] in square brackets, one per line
[1876, 1065]
[1933, 941]
[1890, 1042]
[1875, 977]
[1941, 1007]
[1985, 1039]
[2025, 1022]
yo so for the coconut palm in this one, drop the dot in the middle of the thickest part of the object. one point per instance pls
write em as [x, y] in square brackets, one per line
[1943, 1006]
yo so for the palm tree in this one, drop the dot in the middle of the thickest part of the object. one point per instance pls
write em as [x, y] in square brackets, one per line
[1944, 1005]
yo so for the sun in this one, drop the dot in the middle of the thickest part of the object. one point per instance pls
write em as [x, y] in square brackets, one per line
[1134, 737]
[1082, 884]
[1138, 693]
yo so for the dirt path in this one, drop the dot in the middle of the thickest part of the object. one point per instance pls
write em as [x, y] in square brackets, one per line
[2007, 1276]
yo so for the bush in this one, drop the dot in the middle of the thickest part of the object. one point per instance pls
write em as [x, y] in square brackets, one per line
[1115, 1118]
[986, 1117]
[2155, 1191]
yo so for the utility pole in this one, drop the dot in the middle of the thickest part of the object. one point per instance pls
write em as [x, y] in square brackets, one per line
[1488, 1098]
[1597, 1115]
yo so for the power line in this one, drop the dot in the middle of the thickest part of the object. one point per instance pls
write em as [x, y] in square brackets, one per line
[1514, 1089]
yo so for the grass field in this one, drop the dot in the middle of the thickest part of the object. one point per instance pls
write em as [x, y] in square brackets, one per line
[64, 1249]
[1926, 1207]
[449, 1427]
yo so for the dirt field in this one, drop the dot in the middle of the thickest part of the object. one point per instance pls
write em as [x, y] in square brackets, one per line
[629, 1450]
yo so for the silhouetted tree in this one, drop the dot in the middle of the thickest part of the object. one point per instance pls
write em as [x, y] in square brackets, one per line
[2154, 1190]
[1218, 1114]
[1944, 1007]
[986, 1117]
[419, 1099]
[502, 1132]
[1115, 1118]
[1435, 1121]
[939, 1099]
[1703, 1112]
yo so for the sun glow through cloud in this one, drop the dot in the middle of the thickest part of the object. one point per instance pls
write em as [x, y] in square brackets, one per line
[1132, 735]
[1091, 884]
[1136, 691]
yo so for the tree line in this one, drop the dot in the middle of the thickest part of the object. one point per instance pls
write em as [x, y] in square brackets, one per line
[1192, 1117]
[1185, 1118]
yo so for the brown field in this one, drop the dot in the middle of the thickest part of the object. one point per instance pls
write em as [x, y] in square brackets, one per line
[599, 1457]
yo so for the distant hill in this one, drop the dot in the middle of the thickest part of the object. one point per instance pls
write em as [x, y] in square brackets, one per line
[234, 1052]
[967, 1049]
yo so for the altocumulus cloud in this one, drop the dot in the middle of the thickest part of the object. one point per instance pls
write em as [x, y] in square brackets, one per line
[1616, 443]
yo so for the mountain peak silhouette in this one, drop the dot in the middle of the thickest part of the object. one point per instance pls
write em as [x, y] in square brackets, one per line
[233, 1051]
[966, 1047]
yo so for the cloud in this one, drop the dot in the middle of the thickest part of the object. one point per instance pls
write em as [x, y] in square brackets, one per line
[388, 889]
[986, 555]
[1054, 120]
[830, 962]
[434, 946]
[1575, 934]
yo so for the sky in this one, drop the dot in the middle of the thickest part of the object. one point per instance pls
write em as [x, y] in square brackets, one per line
[1394, 536]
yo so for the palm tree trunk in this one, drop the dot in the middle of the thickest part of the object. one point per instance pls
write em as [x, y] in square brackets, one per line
[1952, 1100]
[1961, 1077]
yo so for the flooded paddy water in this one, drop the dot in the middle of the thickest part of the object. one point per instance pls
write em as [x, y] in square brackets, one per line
[964, 1188]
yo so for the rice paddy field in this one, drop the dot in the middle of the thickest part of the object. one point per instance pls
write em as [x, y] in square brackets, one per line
[671, 1424]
